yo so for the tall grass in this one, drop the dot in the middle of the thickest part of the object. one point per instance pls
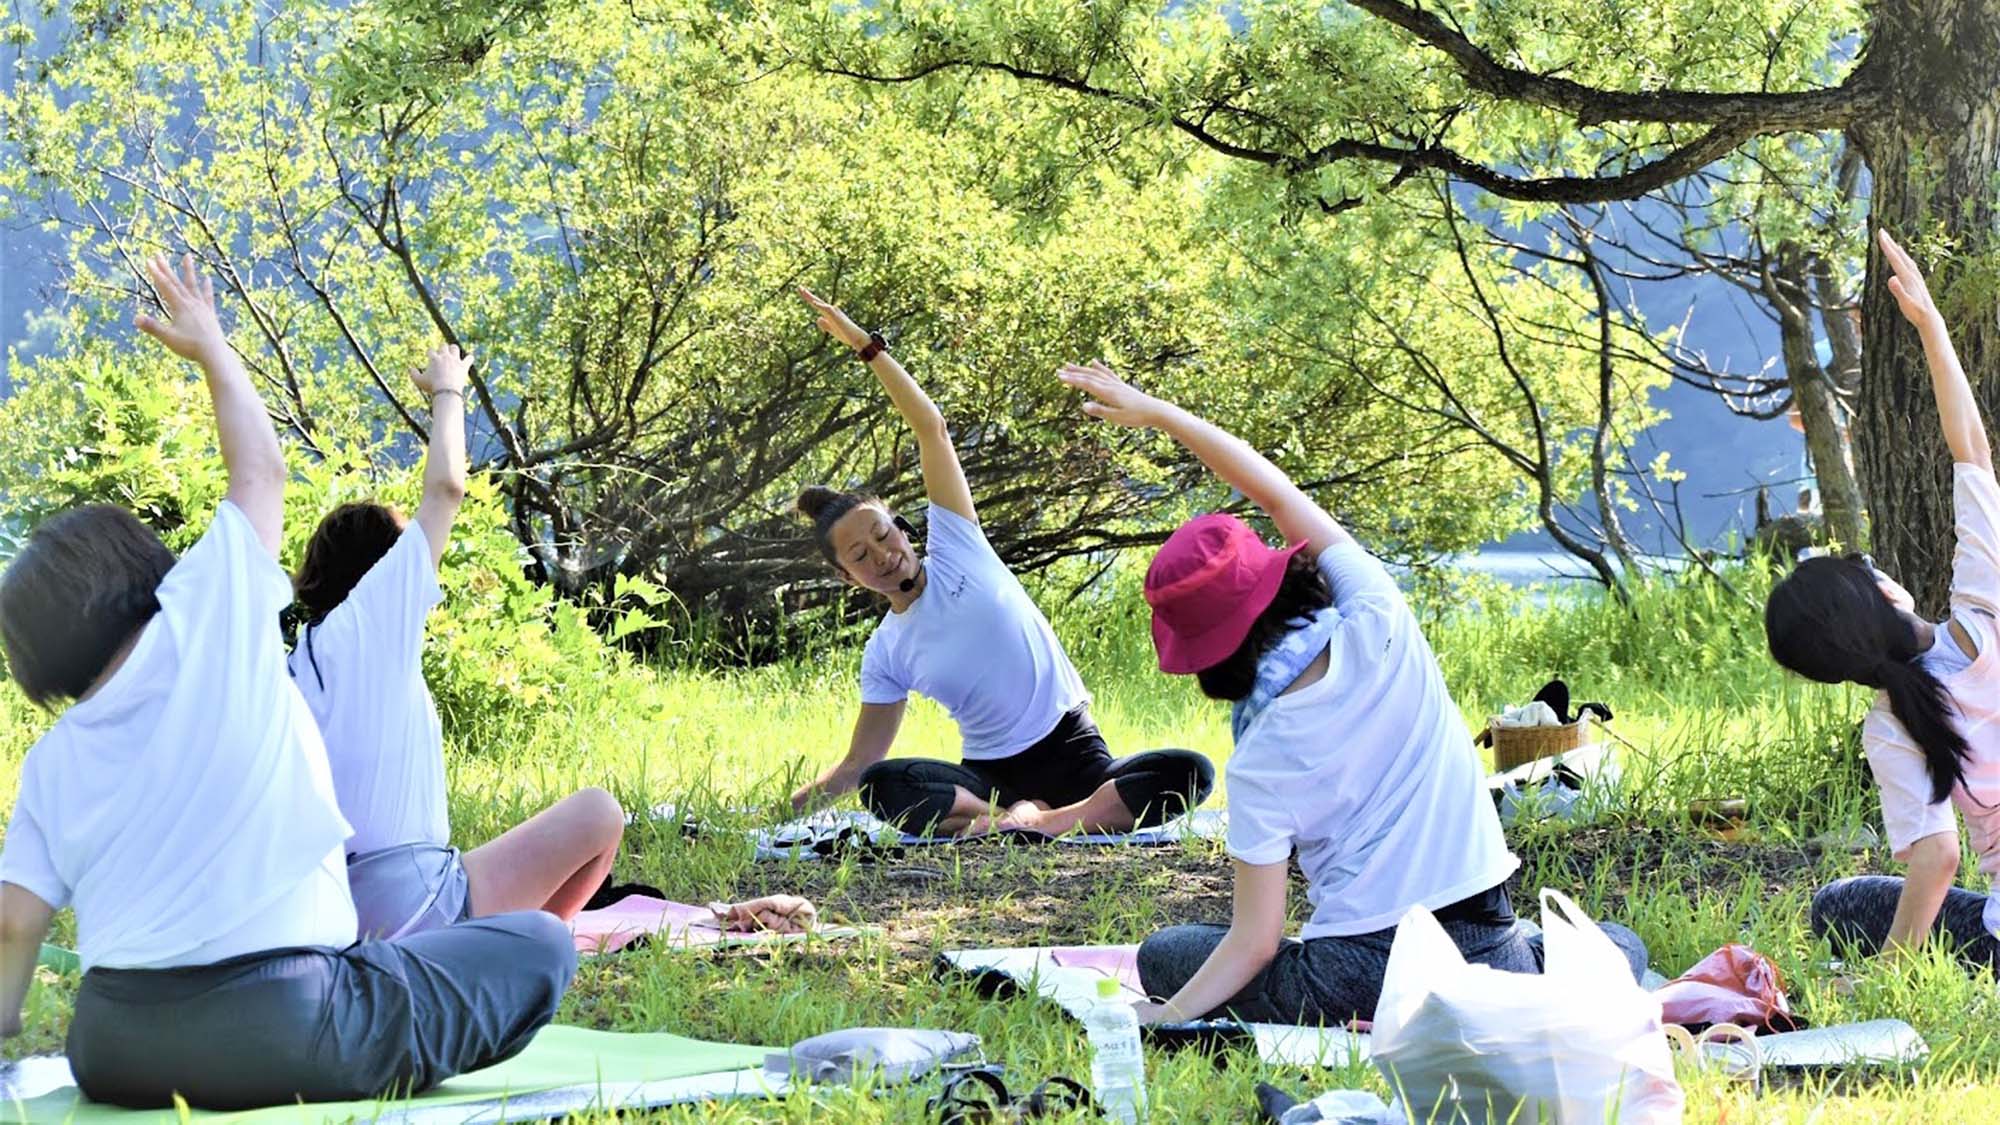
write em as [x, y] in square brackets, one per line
[1701, 713]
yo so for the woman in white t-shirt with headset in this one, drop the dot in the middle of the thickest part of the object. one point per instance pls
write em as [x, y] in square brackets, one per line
[1349, 753]
[961, 630]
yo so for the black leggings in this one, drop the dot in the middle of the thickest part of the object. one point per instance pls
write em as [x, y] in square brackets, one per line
[1855, 914]
[1066, 766]
[1331, 980]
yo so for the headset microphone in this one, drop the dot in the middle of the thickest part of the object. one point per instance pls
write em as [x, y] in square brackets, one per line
[903, 525]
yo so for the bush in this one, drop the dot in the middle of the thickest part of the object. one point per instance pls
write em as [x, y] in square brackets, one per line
[103, 426]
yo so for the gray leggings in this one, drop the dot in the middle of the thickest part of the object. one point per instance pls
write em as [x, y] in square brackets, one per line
[377, 1018]
[1856, 914]
[1330, 980]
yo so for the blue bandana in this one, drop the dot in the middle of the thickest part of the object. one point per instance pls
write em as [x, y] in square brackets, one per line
[1285, 662]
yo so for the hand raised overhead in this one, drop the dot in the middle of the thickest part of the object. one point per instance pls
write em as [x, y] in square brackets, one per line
[833, 322]
[191, 330]
[1912, 295]
[446, 370]
[1112, 398]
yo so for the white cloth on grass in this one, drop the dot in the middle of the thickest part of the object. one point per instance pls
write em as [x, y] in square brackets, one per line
[361, 672]
[186, 810]
[1368, 772]
[1908, 812]
[975, 642]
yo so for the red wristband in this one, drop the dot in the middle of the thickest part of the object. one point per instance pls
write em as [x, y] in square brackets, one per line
[876, 346]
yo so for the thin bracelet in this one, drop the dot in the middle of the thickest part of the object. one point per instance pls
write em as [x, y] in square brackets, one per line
[448, 391]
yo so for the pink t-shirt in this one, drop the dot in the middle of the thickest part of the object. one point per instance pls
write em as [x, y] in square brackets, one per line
[1908, 813]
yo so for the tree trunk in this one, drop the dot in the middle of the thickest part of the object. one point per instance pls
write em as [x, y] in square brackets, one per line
[1607, 403]
[1934, 156]
[1813, 392]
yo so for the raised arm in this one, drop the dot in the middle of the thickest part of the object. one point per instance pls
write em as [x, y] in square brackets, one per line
[944, 480]
[250, 450]
[442, 381]
[1226, 455]
[1958, 411]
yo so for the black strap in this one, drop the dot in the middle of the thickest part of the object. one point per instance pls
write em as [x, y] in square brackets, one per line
[609, 892]
[961, 1102]
[1273, 1103]
[1056, 1095]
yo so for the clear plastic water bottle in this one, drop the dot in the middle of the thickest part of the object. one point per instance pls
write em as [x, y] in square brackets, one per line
[1117, 1067]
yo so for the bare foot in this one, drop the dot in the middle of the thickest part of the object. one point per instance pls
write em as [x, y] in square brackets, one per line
[1021, 814]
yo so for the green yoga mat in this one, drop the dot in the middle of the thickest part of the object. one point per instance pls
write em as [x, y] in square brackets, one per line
[559, 1057]
[57, 958]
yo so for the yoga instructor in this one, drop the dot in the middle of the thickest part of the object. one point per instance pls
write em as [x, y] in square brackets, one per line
[961, 630]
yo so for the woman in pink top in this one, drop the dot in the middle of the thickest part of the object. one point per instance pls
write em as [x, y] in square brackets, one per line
[1928, 738]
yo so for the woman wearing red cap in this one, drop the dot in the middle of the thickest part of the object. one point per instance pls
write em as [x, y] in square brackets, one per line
[961, 630]
[1349, 751]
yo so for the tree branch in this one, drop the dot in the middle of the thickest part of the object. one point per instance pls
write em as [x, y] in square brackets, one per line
[1747, 113]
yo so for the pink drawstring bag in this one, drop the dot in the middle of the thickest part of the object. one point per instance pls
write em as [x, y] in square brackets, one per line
[1735, 984]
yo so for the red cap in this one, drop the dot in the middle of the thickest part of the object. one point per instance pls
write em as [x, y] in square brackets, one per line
[1210, 580]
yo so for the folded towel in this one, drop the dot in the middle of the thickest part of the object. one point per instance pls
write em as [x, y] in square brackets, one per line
[1536, 714]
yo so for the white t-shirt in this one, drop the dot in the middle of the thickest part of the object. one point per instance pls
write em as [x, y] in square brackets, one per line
[1368, 772]
[1908, 813]
[975, 642]
[361, 672]
[186, 810]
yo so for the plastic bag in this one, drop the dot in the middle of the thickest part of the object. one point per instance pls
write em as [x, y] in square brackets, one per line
[1735, 984]
[1579, 1044]
[894, 1054]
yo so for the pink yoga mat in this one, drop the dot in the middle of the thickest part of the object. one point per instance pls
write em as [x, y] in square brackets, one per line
[1118, 961]
[636, 916]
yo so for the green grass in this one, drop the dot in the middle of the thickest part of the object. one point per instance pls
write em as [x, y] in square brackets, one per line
[1703, 709]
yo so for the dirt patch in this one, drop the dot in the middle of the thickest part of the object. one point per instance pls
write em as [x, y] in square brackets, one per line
[1006, 893]
[1634, 861]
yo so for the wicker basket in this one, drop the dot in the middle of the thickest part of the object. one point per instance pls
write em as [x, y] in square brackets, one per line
[1515, 746]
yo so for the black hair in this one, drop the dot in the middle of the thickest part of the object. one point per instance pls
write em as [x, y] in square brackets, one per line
[348, 541]
[85, 583]
[1301, 593]
[1828, 621]
[824, 507]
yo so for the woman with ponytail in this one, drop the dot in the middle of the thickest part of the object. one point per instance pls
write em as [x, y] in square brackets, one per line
[1928, 739]
[961, 630]
[366, 590]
